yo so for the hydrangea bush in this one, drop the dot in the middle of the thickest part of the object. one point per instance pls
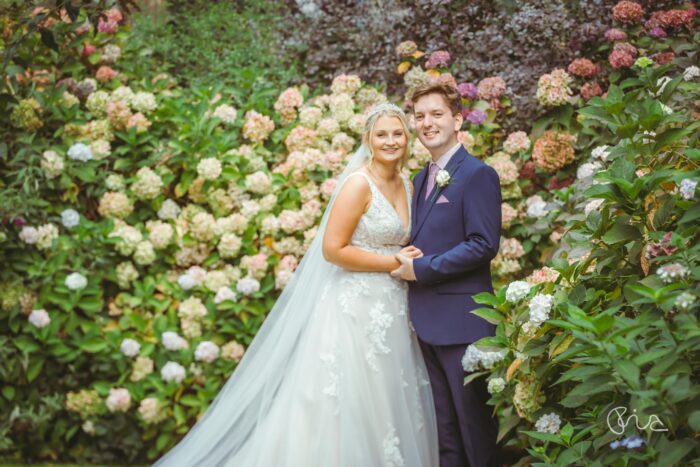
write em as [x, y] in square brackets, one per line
[147, 229]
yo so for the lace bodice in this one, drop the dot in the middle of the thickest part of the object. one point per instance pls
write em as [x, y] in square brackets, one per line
[380, 229]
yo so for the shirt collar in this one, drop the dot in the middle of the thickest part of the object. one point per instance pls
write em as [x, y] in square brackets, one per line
[445, 158]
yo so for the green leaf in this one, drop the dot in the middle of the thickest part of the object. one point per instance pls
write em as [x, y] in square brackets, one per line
[27, 344]
[621, 232]
[691, 214]
[694, 421]
[8, 392]
[628, 371]
[35, 366]
[544, 436]
[190, 401]
[567, 432]
[163, 441]
[489, 314]
[94, 345]
[486, 298]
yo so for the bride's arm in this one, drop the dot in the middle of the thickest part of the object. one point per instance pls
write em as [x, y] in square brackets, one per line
[351, 203]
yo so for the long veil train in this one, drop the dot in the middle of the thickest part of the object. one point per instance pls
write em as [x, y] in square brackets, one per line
[247, 396]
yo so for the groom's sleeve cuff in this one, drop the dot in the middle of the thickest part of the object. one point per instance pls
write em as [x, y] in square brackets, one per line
[421, 268]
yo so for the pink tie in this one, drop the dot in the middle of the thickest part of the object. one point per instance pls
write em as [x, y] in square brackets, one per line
[432, 172]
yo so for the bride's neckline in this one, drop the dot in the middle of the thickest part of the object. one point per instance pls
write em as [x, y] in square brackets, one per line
[391, 206]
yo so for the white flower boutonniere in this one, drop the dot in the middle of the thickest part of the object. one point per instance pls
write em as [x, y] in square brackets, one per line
[442, 179]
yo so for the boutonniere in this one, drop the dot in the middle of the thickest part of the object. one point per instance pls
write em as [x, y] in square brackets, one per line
[442, 179]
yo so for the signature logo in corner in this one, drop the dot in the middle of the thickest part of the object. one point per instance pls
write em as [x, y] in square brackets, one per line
[617, 422]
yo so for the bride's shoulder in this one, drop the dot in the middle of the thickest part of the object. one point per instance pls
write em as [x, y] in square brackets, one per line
[357, 183]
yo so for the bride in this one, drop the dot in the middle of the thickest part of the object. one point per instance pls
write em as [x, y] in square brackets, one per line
[335, 376]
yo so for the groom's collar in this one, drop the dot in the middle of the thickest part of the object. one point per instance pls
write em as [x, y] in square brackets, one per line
[445, 158]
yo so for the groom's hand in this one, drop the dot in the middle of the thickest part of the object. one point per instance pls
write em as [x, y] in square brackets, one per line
[405, 271]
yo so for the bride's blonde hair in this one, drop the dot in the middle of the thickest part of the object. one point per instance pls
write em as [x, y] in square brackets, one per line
[386, 110]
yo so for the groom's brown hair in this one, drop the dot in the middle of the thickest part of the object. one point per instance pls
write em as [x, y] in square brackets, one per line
[447, 91]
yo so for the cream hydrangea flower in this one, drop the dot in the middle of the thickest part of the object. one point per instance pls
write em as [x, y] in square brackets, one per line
[147, 185]
[209, 168]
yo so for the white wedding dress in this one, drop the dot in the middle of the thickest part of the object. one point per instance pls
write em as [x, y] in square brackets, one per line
[354, 390]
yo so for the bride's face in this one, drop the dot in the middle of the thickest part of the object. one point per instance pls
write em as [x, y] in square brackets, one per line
[388, 139]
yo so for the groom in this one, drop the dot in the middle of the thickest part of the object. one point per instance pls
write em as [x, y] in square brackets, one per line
[457, 226]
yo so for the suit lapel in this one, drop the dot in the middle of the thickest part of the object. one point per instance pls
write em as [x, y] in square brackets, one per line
[419, 181]
[428, 204]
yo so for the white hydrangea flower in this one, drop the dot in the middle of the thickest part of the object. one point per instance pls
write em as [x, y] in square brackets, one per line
[192, 308]
[671, 272]
[119, 400]
[29, 235]
[173, 371]
[76, 281]
[39, 318]
[100, 149]
[187, 282]
[226, 113]
[474, 358]
[549, 423]
[587, 170]
[202, 226]
[169, 210]
[471, 359]
[160, 233]
[80, 152]
[115, 182]
[143, 102]
[690, 73]
[198, 274]
[147, 185]
[70, 218]
[124, 94]
[684, 301]
[229, 245]
[88, 427]
[126, 274]
[128, 236]
[592, 205]
[96, 103]
[52, 164]
[111, 53]
[173, 341]
[496, 385]
[215, 280]
[224, 293]
[209, 168]
[144, 253]
[601, 152]
[540, 306]
[129, 347]
[248, 286]
[536, 206]
[687, 188]
[517, 290]
[46, 235]
[206, 351]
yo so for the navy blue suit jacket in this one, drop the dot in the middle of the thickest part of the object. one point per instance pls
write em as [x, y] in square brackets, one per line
[458, 239]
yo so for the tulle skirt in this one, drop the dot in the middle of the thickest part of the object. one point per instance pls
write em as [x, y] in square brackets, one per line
[356, 391]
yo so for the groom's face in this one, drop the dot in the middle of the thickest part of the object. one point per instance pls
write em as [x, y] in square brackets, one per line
[436, 126]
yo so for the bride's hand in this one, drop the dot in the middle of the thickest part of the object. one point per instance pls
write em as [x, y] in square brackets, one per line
[411, 251]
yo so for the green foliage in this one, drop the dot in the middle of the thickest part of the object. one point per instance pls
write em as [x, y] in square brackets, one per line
[232, 44]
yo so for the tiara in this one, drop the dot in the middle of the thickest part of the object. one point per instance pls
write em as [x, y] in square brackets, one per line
[383, 107]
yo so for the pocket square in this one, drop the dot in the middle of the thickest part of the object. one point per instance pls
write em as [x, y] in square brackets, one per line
[442, 200]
